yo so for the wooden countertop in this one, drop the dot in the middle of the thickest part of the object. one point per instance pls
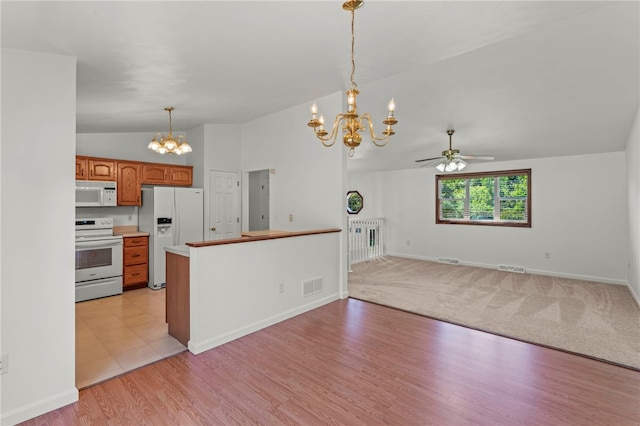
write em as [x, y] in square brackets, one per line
[129, 231]
[248, 237]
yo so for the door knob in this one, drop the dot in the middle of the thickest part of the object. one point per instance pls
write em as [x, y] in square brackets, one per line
[213, 228]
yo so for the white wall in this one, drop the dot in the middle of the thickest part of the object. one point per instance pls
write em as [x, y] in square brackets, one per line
[196, 158]
[633, 197]
[124, 146]
[221, 152]
[308, 179]
[234, 288]
[38, 295]
[579, 215]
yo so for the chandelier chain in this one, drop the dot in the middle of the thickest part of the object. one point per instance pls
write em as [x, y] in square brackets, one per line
[354, 85]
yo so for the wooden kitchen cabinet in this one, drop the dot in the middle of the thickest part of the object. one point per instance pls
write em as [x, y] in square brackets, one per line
[164, 174]
[101, 169]
[81, 168]
[135, 272]
[129, 183]
[155, 174]
[181, 175]
[131, 175]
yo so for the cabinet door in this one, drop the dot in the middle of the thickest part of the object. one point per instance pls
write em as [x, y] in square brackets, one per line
[101, 169]
[132, 275]
[129, 184]
[81, 168]
[181, 175]
[136, 255]
[155, 174]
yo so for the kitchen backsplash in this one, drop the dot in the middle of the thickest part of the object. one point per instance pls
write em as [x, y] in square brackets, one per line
[122, 215]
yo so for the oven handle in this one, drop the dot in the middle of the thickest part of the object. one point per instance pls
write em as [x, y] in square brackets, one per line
[96, 244]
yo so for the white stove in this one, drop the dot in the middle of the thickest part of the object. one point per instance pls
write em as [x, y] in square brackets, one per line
[98, 259]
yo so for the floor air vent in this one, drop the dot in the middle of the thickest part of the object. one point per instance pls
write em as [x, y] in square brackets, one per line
[449, 261]
[510, 268]
[312, 287]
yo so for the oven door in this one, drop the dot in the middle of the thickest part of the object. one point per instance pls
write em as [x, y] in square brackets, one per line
[98, 259]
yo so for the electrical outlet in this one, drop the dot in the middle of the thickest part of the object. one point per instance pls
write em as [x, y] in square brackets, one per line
[408, 242]
[547, 255]
[280, 288]
[290, 217]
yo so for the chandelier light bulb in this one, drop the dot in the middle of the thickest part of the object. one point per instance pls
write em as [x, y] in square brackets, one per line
[392, 105]
[314, 109]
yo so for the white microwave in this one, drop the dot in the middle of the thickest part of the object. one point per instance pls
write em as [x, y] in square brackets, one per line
[91, 193]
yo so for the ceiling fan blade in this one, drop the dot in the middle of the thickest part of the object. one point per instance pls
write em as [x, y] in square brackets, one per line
[429, 159]
[476, 157]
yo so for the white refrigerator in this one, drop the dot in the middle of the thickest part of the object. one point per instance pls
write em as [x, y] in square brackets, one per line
[171, 216]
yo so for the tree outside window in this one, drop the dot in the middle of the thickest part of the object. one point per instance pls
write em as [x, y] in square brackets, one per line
[487, 198]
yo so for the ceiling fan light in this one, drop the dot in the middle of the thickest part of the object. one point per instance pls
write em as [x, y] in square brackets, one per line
[451, 167]
[461, 164]
[440, 167]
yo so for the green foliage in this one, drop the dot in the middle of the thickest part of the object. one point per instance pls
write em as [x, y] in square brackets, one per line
[511, 199]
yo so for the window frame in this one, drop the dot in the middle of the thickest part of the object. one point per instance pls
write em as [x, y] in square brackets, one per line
[492, 174]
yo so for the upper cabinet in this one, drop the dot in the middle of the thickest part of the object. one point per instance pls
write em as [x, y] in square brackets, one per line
[81, 168]
[181, 175]
[164, 174]
[88, 168]
[155, 174]
[129, 183]
[101, 169]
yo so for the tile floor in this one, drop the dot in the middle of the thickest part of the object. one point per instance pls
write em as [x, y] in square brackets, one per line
[120, 333]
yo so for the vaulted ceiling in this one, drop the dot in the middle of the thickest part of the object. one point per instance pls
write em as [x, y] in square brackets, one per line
[515, 79]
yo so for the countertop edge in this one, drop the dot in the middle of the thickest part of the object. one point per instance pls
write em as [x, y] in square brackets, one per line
[284, 234]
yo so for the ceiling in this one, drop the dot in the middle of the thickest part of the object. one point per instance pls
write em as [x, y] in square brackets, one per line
[515, 79]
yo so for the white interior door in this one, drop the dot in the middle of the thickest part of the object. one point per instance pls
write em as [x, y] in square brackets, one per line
[224, 205]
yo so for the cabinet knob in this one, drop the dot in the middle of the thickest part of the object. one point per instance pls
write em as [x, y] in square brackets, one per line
[213, 228]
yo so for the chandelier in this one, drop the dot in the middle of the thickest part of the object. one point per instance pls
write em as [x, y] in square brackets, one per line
[168, 144]
[352, 122]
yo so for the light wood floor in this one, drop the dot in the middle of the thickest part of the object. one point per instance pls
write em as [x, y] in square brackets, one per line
[120, 333]
[356, 363]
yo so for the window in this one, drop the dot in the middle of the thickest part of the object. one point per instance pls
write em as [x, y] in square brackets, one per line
[488, 198]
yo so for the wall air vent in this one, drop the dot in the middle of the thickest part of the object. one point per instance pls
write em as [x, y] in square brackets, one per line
[312, 287]
[511, 268]
[449, 261]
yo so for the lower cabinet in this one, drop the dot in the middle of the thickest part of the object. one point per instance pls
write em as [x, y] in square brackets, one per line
[135, 272]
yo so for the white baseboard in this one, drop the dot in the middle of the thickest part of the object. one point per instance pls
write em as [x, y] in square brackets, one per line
[527, 270]
[212, 342]
[634, 295]
[38, 408]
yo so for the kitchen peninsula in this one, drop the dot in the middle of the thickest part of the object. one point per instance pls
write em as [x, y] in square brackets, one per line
[220, 290]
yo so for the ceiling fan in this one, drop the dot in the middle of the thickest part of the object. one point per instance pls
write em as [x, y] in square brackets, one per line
[451, 160]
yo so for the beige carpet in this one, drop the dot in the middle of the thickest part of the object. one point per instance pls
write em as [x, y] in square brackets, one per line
[593, 319]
